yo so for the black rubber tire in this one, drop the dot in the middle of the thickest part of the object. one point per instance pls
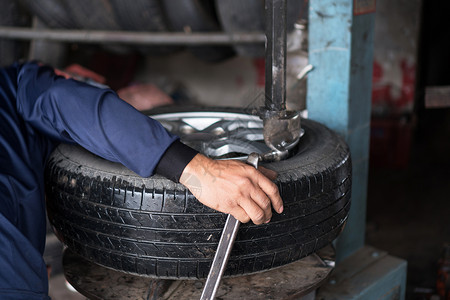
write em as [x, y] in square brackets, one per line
[140, 15]
[249, 15]
[154, 227]
[95, 15]
[88, 14]
[11, 14]
[53, 13]
[198, 16]
[143, 15]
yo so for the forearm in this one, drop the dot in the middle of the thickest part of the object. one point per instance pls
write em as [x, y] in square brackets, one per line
[97, 119]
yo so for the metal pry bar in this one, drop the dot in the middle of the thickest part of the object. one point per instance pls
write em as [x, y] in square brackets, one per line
[221, 258]
[224, 247]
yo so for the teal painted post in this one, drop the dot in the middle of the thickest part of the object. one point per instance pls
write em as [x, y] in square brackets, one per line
[339, 94]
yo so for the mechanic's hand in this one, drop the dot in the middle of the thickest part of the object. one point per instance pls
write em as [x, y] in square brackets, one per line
[233, 187]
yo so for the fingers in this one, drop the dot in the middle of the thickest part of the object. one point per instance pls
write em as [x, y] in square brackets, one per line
[261, 195]
[271, 190]
[272, 175]
[240, 215]
[255, 212]
[233, 187]
[264, 204]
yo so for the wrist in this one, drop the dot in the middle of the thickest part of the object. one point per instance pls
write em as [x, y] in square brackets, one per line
[175, 160]
[193, 174]
[194, 168]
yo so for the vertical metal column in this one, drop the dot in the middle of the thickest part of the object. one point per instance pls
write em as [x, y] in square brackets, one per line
[339, 93]
[276, 16]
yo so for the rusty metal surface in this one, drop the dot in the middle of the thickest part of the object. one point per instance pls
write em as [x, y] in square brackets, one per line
[437, 97]
[282, 128]
[282, 131]
[287, 282]
[130, 37]
[98, 283]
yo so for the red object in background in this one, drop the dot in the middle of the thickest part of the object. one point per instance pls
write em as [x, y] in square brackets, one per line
[260, 65]
[76, 69]
[390, 142]
[377, 73]
[361, 7]
[384, 98]
[80, 73]
[381, 92]
[118, 69]
[391, 128]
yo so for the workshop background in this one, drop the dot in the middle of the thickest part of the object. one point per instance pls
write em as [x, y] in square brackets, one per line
[408, 205]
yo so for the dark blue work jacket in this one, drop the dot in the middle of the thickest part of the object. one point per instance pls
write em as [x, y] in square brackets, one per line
[38, 110]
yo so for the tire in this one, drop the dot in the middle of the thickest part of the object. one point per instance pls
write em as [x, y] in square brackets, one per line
[155, 227]
[140, 15]
[143, 15]
[95, 15]
[198, 16]
[89, 14]
[248, 15]
[53, 13]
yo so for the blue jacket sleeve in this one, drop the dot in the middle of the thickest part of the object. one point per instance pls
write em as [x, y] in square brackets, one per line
[74, 112]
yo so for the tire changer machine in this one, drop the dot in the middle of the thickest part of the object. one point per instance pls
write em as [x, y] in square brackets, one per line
[340, 48]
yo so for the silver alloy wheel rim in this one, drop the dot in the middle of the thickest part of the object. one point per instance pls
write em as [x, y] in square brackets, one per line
[219, 135]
